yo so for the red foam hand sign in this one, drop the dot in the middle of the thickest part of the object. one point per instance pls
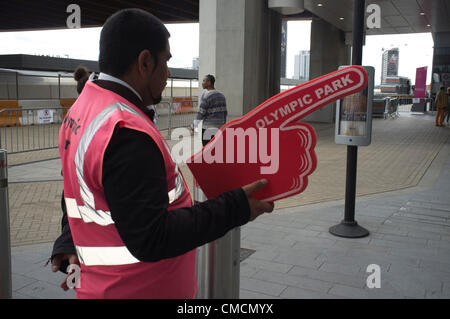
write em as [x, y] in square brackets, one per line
[269, 142]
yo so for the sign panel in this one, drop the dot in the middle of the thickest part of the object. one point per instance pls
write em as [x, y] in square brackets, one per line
[420, 86]
[392, 63]
[269, 142]
[45, 116]
[354, 115]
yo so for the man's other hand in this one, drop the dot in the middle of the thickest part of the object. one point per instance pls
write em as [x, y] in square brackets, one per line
[56, 265]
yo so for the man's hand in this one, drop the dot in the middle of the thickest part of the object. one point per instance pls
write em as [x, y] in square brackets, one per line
[257, 207]
[56, 265]
[193, 127]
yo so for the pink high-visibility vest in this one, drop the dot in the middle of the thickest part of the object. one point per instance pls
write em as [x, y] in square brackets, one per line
[108, 269]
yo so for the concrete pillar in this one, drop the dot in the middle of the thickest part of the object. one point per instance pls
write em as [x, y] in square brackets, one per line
[240, 44]
[328, 52]
[441, 61]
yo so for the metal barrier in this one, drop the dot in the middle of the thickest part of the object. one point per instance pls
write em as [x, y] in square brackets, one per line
[379, 106]
[423, 105]
[5, 247]
[172, 114]
[30, 129]
[392, 108]
[35, 129]
[389, 106]
[183, 113]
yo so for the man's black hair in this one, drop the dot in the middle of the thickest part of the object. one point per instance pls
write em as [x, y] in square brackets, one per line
[126, 34]
[211, 79]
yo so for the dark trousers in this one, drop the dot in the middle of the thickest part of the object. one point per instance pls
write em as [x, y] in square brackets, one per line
[207, 135]
[447, 114]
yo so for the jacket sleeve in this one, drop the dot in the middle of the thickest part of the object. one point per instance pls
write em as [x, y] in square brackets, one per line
[135, 185]
[202, 110]
[64, 243]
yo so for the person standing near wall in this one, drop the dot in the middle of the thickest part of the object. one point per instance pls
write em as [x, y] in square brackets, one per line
[212, 113]
[447, 111]
[441, 103]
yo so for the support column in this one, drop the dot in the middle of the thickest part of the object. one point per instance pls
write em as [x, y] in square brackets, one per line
[328, 51]
[240, 44]
[441, 62]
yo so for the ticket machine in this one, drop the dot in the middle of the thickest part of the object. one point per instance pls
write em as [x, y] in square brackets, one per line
[354, 115]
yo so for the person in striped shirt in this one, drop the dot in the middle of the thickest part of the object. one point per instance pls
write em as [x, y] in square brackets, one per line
[212, 113]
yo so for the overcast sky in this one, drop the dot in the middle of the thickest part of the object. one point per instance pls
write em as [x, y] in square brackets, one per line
[416, 50]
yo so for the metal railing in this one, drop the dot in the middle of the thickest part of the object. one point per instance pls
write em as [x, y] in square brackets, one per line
[5, 241]
[174, 114]
[30, 129]
[388, 107]
[36, 129]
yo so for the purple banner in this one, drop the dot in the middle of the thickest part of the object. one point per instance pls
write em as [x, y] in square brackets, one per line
[421, 82]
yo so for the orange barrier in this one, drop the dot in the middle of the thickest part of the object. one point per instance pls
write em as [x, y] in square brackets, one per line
[66, 103]
[185, 107]
[10, 118]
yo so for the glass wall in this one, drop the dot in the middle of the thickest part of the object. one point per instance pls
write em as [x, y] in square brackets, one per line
[68, 88]
[8, 88]
[34, 87]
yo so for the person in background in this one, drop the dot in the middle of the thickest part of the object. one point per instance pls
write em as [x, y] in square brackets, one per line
[447, 111]
[81, 75]
[441, 103]
[212, 113]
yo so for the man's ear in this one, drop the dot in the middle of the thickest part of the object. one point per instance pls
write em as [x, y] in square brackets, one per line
[146, 63]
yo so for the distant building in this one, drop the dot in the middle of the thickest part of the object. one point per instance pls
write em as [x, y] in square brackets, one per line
[390, 64]
[391, 82]
[195, 63]
[396, 85]
[301, 65]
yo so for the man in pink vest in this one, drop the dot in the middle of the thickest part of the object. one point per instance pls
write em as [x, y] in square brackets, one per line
[132, 222]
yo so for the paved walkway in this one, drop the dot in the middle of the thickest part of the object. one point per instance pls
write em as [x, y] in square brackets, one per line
[295, 255]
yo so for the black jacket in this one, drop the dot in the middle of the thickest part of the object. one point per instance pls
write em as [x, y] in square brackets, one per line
[134, 180]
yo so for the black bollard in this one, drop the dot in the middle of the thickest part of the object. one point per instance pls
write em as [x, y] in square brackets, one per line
[349, 228]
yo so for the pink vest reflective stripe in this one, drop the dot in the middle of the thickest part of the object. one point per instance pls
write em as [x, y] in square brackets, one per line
[108, 269]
